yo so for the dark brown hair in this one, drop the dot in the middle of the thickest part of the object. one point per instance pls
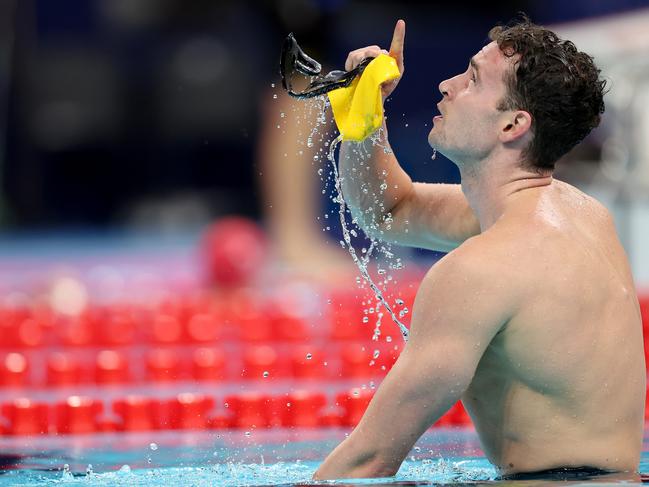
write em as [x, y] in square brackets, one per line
[557, 84]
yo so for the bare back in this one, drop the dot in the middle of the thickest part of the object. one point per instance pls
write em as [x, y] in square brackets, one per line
[563, 382]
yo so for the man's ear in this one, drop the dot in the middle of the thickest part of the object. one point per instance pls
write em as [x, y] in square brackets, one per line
[515, 125]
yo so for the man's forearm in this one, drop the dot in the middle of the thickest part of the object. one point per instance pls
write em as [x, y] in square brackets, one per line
[355, 461]
[373, 182]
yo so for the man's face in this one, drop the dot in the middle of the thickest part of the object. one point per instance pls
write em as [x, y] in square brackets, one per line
[467, 128]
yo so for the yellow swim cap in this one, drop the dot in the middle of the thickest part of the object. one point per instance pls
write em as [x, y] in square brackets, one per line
[358, 108]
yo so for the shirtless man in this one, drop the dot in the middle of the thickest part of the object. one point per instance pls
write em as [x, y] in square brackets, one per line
[531, 319]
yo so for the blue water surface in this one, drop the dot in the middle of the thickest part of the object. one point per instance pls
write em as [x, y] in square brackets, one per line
[234, 458]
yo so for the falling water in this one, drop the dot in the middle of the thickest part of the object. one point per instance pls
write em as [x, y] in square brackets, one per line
[360, 263]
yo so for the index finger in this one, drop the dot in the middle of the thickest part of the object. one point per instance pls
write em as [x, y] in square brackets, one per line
[396, 46]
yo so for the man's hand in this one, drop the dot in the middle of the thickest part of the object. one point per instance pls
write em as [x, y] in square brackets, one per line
[396, 51]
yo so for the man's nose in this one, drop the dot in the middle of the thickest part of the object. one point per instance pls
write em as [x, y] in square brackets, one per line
[444, 88]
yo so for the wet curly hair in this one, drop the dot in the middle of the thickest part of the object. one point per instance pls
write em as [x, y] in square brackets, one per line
[559, 86]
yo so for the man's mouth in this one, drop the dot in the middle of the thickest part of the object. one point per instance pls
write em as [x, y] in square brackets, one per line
[440, 116]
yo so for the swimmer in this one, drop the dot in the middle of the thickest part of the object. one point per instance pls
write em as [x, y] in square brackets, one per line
[531, 319]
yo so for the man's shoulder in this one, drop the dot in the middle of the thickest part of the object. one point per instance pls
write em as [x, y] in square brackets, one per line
[574, 196]
[475, 275]
[487, 251]
[484, 258]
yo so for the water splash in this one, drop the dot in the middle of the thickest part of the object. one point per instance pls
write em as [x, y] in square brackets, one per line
[360, 263]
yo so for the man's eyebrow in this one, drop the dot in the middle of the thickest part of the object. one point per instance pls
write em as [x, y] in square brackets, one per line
[474, 65]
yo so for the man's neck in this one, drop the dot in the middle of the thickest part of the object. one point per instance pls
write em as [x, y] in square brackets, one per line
[490, 184]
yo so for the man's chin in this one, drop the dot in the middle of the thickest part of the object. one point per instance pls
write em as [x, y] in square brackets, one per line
[433, 141]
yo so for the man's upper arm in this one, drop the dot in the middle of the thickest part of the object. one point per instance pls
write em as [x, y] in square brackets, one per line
[432, 216]
[458, 310]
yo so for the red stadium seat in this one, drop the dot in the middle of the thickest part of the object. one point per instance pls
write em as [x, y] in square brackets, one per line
[26, 417]
[209, 364]
[203, 328]
[14, 370]
[261, 362]
[114, 326]
[358, 361]
[190, 411]
[354, 404]
[111, 367]
[78, 414]
[303, 408]
[165, 329]
[163, 365]
[346, 317]
[308, 362]
[74, 331]
[63, 369]
[28, 333]
[249, 409]
[137, 413]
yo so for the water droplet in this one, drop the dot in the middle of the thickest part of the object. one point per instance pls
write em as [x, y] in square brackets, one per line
[272, 85]
[434, 154]
[388, 339]
[275, 97]
[247, 434]
[265, 374]
[355, 393]
[320, 171]
[406, 125]
[226, 405]
[153, 446]
[282, 114]
[399, 301]
[376, 354]
[309, 356]
[365, 319]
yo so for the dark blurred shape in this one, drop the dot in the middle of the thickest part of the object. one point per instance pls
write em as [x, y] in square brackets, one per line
[111, 106]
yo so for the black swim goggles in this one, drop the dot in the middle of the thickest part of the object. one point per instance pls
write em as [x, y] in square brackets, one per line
[295, 60]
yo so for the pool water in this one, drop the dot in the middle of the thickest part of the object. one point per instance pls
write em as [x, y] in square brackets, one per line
[234, 458]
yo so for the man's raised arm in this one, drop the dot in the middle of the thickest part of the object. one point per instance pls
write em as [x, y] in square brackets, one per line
[382, 197]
